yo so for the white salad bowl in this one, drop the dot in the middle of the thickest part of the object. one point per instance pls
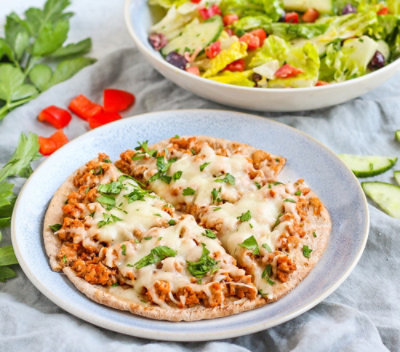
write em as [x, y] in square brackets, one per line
[139, 20]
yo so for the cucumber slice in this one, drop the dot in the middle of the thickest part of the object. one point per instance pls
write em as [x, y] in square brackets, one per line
[368, 165]
[385, 195]
[396, 175]
[397, 135]
[195, 35]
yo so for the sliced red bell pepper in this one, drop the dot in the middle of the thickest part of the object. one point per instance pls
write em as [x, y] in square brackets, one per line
[102, 118]
[310, 15]
[236, 66]
[48, 145]
[287, 71]
[56, 116]
[207, 13]
[230, 19]
[213, 50]
[196, 1]
[292, 17]
[84, 108]
[116, 100]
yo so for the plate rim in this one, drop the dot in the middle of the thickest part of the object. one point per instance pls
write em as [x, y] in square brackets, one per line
[183, 337]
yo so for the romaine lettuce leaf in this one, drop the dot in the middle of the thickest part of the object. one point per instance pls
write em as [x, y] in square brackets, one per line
[305, 58]
[236, 78]
[237, 50]
[272, 9]
[167, 3]
[274, 48]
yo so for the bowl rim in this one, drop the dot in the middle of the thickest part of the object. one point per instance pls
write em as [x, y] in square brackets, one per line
[152, 53]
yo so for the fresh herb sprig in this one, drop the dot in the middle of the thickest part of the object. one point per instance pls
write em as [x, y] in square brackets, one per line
[29, 45]
[18, 165]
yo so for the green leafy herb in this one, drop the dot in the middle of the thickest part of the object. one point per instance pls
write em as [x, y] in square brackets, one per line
[163, 166]
[307, 251]
[147, 238]
[144, 145]
[188, 191]
[123, 249]
[267, 271]
[65, 259]
[106, 201]
[108, 219]
[136, 194]
[314, 234]
[204, 265]
[251, 244]
[29, 50]
[290, 200]
[115, 284]
[171, 222]
[18, 165]
[156, 255]
[203, 166]
[55, 227]
[267, 247]
[110, 188]
[92, 214]
[208, 233]
[277, 222]
[228, 178]
[177, 175]
[298, 193]
[257, 185]
[217, 208]
[244, 216]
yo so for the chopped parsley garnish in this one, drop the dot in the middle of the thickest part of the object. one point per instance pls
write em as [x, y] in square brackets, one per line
[277, 222]
[144, 145]
[193, 151]
[188, 191]
[97, 171]
[271, 282]
[251, 225]
[267, 274]
[163, 166]
[217, 208]
[177, 136]
[260, 292]
[244, 216]
[314, 234]
[108, 161]
[138, 156]
[215, 194]
[87, 190]
[115, 284]
[208, 233]
[277, 183]
[290, 200]
[123, 249]
[92, 214]
[204, 165]
[267, 247]
[65, 259]
[136, 194]
[257, 185]
[298, 193]
[171, 222]
[108, 219]
[156, 255]
[55, 227]
[148, 238]
[111, 188]
[204, 265]
[228, 178]
[177, 175]
[307, 251]
[106, 201]
[251, 244]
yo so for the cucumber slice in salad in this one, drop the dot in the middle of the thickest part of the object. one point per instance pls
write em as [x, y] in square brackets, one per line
[195, 35]
[385, 195]
[396, 175]
[397, 135]
[368, 165]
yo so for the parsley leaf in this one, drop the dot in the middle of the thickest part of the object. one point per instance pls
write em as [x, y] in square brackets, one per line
[258, 185]
[188, 191]
[177, 175]
[307, 251]
[156, 255]
[55, 227]
[251, 244]
[111, 188]
[106, 201]
[123, 249]
[215, 194]
[267, 247]
[203, 166]
[208, 233]
[171, 222]
[204, 265]
[144, 145]
[228, 178]
[244, 216]
[108, 219]
[290, 200]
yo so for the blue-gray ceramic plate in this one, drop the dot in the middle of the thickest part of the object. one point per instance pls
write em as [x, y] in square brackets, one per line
[306, 158]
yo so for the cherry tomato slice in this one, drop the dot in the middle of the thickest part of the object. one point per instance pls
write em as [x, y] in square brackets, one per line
[310, 15]
[287, 71]
[213, 50]
[230, 19]
[252, 41]
[260, 34]
[236, 66]
[292, 17]
[116, 100]
[56, 116]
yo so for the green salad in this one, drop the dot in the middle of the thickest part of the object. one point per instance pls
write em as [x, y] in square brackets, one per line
[278, 43]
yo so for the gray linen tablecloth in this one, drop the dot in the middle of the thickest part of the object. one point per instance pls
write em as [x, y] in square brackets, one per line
[363, 314]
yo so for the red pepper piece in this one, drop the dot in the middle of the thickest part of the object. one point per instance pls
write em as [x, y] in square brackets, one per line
[383, 11]
[292, 17]
[102, 118]
[230, 19]
[116, 100]
[207, 13]
[310, 15]
[56, 116]
[321, 83]
[236, 66]
[196, 1]
[84, 108]
[48, 145]
[213, 50]
[287, 71]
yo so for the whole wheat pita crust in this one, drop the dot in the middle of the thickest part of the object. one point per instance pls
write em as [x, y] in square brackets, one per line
[102, 295]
